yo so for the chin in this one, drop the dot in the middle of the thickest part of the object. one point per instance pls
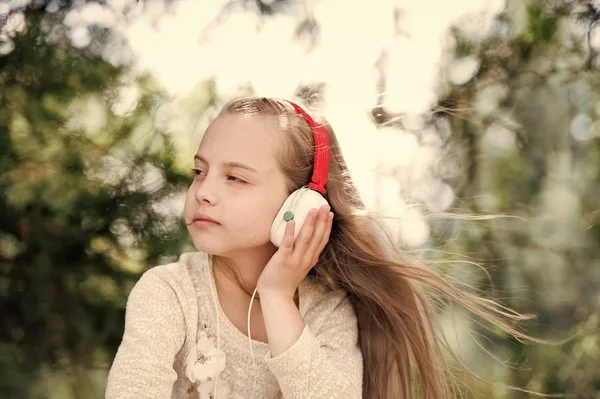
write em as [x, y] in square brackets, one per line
[207, 246]
[211, 247]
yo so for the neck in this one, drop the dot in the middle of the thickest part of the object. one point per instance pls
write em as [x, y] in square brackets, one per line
[242, 270]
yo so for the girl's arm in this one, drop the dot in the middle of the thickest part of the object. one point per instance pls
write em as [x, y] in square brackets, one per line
[326, 363]
[154, 334]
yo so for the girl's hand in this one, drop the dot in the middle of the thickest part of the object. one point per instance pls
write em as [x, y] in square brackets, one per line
[293, 260]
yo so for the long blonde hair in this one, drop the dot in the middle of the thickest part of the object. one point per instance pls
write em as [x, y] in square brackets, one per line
[393, 294]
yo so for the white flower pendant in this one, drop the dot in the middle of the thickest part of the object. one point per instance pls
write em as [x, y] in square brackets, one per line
[206, 389]
[203, 364]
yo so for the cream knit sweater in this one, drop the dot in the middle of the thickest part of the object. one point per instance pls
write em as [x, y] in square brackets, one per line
[170, 349]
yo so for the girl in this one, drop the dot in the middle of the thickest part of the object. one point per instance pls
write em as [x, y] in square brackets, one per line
[330, 310]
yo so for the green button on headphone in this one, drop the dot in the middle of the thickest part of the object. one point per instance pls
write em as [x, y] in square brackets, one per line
[288, 216]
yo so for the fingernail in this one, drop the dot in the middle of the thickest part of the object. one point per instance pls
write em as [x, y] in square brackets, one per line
[330, 215]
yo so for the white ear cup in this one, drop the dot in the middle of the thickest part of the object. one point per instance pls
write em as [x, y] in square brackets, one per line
[299, 203]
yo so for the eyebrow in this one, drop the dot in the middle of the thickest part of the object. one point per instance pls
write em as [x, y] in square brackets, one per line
[229, 164]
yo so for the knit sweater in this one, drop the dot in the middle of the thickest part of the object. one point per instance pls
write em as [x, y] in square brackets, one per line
[170, 347]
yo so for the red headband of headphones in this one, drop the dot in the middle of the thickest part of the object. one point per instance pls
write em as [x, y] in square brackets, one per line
[321, 165]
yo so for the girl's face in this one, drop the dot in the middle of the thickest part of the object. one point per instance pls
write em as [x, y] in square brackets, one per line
[237, 183]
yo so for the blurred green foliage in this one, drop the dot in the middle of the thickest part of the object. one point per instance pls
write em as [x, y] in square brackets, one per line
[541, 24]
[79, 222]
[527, 126]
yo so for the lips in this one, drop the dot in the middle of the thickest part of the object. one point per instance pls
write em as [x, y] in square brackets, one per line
[204, 218]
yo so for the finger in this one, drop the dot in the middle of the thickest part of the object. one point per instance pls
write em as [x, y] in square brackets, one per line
[303, 239]
[319, 231]
[287, 243]
[327, 234]
[324, 238]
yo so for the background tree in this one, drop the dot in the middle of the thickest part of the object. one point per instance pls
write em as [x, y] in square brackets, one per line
[525, 126]
[85, 196]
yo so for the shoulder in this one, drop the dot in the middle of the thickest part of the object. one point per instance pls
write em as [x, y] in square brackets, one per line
[324, 306]
[167, 286]
[177, 276]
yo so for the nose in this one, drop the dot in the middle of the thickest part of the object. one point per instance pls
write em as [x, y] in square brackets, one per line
[206, 191]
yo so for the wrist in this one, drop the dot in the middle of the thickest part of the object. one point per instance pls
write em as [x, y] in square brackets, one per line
[272, 295]
[283, 322]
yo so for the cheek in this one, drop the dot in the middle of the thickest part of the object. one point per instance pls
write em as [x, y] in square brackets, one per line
[255, 217]
[189, 204]
[254, 220]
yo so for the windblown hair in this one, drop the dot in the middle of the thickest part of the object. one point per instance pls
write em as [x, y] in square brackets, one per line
[393, 294]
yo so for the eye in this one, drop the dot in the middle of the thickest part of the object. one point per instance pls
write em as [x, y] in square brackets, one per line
[198, 172]
[236, 179]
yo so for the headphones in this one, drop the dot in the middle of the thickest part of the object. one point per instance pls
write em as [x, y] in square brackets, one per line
[297, 206]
